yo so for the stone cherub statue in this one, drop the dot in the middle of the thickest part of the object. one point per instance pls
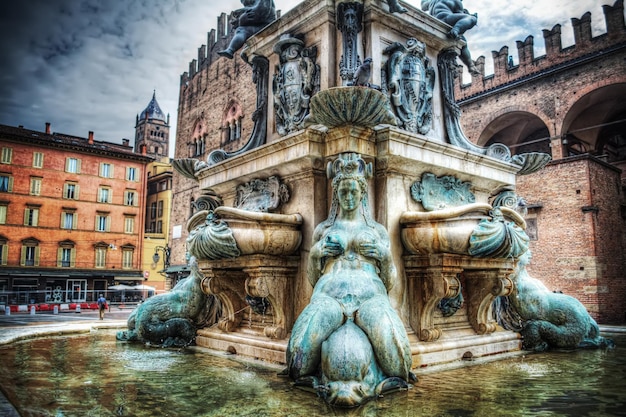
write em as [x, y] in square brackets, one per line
[453, 13]
[254, 16]
[349, 344]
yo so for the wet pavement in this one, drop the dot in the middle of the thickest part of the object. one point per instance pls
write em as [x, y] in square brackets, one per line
[18, 326]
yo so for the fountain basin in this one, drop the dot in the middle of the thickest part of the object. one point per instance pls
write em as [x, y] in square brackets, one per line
[229, 232]
[92, 374]
[262, 233]
[452, 230]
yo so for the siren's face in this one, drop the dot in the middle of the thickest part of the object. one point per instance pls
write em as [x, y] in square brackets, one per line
[346, 394]
[349, 194]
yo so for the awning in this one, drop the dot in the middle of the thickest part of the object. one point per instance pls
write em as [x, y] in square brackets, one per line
[120, 287]
[176, 269]
[118, 278]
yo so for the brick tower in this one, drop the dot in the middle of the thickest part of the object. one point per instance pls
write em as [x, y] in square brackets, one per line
[152, 131]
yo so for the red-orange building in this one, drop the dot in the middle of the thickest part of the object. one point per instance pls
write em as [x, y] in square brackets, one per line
[71, 216]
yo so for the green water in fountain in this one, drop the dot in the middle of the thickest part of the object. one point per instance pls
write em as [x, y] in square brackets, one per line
[93, 375]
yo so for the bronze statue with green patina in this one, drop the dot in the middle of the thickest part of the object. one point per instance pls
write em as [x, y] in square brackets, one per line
[453, 13]
[546, 319]
[349, 343]
[254, 16]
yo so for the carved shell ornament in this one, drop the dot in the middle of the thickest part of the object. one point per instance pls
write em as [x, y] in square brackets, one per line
[340, 106]
[189, 167]
[531, 162]
[498, 238]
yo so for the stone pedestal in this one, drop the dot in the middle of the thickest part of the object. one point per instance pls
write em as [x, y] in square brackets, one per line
[434, 277]
[469, 333]
[260, 276]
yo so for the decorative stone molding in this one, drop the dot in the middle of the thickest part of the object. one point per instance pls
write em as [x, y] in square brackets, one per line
[427, 286]
[261, 195]
[208, 200]
[265, 276]
[483, 286]
[226, 285]
[432, 278]
[350, 24]
[437, 193]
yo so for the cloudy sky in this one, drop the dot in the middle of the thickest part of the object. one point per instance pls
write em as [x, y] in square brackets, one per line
[92, 65]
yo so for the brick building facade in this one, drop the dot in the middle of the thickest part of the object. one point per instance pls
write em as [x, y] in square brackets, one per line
[569, 103]
[71, 216]
[216, 101]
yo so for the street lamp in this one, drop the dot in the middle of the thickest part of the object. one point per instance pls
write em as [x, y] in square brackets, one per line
[166, 255]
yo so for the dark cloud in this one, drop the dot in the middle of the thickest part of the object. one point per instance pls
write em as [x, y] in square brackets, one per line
[92, 64]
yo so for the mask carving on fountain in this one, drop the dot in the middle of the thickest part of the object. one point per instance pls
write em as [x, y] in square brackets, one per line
[350, 24]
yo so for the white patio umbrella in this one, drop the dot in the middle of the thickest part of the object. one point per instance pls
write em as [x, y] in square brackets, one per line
[144, 288]
[122, 288]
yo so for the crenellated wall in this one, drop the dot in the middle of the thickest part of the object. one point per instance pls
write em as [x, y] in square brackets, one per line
[569, 103]
[585, 46]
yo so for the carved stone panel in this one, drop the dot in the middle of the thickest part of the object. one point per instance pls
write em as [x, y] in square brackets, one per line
[295, 81]
[410, 82]
[261, 195]
[349, 23]
[437, 193]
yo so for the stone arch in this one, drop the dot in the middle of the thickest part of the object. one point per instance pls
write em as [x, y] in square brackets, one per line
[521, 130]
[595, 122]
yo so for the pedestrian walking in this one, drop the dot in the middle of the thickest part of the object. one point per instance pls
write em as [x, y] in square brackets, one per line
[102, 305]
